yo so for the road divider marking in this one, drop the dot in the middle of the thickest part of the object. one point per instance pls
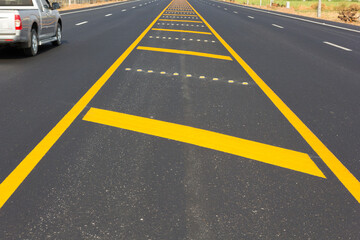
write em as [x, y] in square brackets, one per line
[334, 164]
[108, 15]
[123, 10]
[337, 46]
[179, 11]
[18, 175]
[178, 30]
[278, 26]
[183, 15]
[251, 17]
[261, 152]
[183, 52]
[81, 23]
[173, 20]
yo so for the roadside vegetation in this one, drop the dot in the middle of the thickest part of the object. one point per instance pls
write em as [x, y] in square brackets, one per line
[333, 10]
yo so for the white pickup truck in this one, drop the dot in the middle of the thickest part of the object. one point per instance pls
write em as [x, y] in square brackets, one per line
[29, 23]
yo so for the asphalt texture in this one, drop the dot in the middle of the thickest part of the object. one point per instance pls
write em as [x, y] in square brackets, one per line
[102, 182]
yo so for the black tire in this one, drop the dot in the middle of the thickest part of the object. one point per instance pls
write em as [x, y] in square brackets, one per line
[34, 44]
[58, 35]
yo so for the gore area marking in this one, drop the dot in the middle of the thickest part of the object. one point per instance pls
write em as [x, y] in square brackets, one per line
[277, 156]
[200, 54]
[177, 30]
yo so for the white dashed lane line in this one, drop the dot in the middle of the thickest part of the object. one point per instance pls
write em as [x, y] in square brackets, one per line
[123, 10]
[251, 17]
[278, 26]
[81, 23]
[108, 15]
[337, 46]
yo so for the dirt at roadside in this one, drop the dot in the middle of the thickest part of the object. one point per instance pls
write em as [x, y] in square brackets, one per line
[87, 5]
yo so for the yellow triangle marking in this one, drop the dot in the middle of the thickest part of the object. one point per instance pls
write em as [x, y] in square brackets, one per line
[281, 157]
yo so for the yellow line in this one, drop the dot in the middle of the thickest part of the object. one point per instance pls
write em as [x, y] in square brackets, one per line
[180, 15]
[335, 165]
[200, 54]
[18, 175]
[177, 30]
[241, 147]
[178, 11]
[169, 20]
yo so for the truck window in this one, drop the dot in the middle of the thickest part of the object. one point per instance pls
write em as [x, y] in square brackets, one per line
[16, 3]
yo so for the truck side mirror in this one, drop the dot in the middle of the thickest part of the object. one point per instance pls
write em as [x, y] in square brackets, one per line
[55, 5]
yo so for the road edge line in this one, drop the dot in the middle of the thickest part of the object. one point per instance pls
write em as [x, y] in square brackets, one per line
[331, 161]
[24, 168]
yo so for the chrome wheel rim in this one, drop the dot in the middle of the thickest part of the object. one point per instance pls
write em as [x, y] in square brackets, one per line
[34, 43]
[59, 35]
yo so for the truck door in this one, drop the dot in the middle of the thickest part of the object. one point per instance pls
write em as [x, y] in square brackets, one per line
[48, 20]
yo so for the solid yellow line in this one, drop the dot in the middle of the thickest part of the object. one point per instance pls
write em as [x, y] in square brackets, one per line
[181, 15]
[200, 54]
[169, 20]
[241, 147]
[177, 30]
[18, 175]
[335, 165]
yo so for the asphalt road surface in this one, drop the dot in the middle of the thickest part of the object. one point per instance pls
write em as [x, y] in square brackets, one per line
[197, 119]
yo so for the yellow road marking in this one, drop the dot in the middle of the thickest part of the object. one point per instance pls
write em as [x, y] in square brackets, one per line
[334, 164]
[169, 20]
[177, 30]
[281, 157]
[200, 54]
[178, 11]
[18, 175]
[180, 15]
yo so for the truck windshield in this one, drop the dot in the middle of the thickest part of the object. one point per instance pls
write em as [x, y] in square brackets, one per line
[16, 3]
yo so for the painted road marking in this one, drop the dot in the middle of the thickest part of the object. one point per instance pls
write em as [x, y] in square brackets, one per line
[173, 20]
[18, 175]
[123, 10]
[184, 15]
[178, 30]
[334, 45]
[81, 23]
[235, 12]
[265, 153]
[334, 164]
[251, 17]
[278, 26]
[108, 15]
[200, 54]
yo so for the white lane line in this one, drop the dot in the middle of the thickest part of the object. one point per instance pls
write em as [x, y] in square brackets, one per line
[235, 12]
[92, 9]
[278, 26]
[296, 18]
[134, 7]
[334, 45]
[108, 15]
[81, 23]
[123, 10]
[251, 17]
